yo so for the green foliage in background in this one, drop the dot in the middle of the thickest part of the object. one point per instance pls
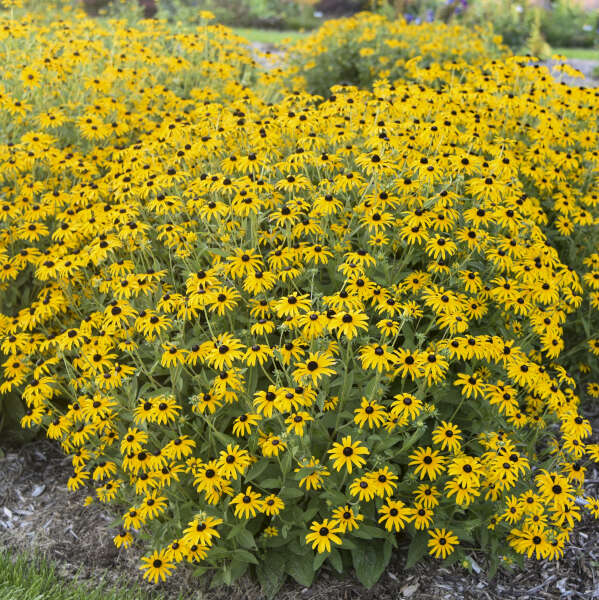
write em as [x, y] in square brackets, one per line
[360, 49]
[568, 24]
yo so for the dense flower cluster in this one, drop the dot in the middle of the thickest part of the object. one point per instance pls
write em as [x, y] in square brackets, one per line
[297, 324]
[361, 49]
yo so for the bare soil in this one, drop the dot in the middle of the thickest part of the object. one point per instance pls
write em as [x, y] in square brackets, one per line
[39, 515]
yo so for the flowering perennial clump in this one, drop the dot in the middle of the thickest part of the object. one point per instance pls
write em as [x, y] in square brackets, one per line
[366, 47]
[263, 323]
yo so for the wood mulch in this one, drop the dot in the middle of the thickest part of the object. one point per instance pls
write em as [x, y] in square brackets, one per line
[38, 514]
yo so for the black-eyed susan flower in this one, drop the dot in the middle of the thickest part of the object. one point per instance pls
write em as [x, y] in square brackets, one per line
[152, 506]
[427, 463]
[247, 503]
[271, 445]
[317, 365]
[442, 542]
[464, 493]
[348, 454]
[233, 461]
[406, 405]
[123, 539]
[312, 473]
[172, 356]
[202, 530]
[371, 413]
[296, 422]
[157, 567]
[243, 424]
[254, 234]
[407, 363]
[422, 517]
[377, 357]
[292, 305]
[225, 350]
[346, 518]
[323, 534]
[395, 515]
[530, 541]
[180, 447]
[349, 323]
[272, 505]
[466, 470]
[384, 481]
[165, 409]
[363, 487]
[448, 436]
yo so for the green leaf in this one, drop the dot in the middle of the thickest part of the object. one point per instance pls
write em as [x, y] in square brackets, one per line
[273, 482]
[336, 560]
[223, 438]
[276, 542]
[347, 386]
[335, 497]
[217, 553]
[417, 549]
[235, 570]
[257, 469]
[244, 556]
[290, 493]
[368, 532]
[411, 440]
[319, 559]
[271, 572]
[388, 549]
[235, 530]
[310, 513]
[493, 564]
[348, 544]
[300, 568]
[387, 443]
[484, 538]
[286, 463]
[245, 539]
[370, 560]
[218, 579]
[252, 380]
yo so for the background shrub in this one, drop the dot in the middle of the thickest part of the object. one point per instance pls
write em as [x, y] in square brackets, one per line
[567, 24]
[360, 49]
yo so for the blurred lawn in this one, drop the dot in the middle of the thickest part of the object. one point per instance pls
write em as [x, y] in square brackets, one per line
[582, 53]
[268, 36]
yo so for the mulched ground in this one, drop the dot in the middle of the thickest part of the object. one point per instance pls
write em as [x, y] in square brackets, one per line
[39, 514]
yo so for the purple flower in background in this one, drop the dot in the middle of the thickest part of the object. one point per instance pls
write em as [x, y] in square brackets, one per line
[459, 6]
[430, 16]
[408, 17]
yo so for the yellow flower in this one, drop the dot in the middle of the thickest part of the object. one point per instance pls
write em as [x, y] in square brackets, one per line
[157, 566]
[323, 534]
[247, 503]
[348, 454]
[442, 543]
